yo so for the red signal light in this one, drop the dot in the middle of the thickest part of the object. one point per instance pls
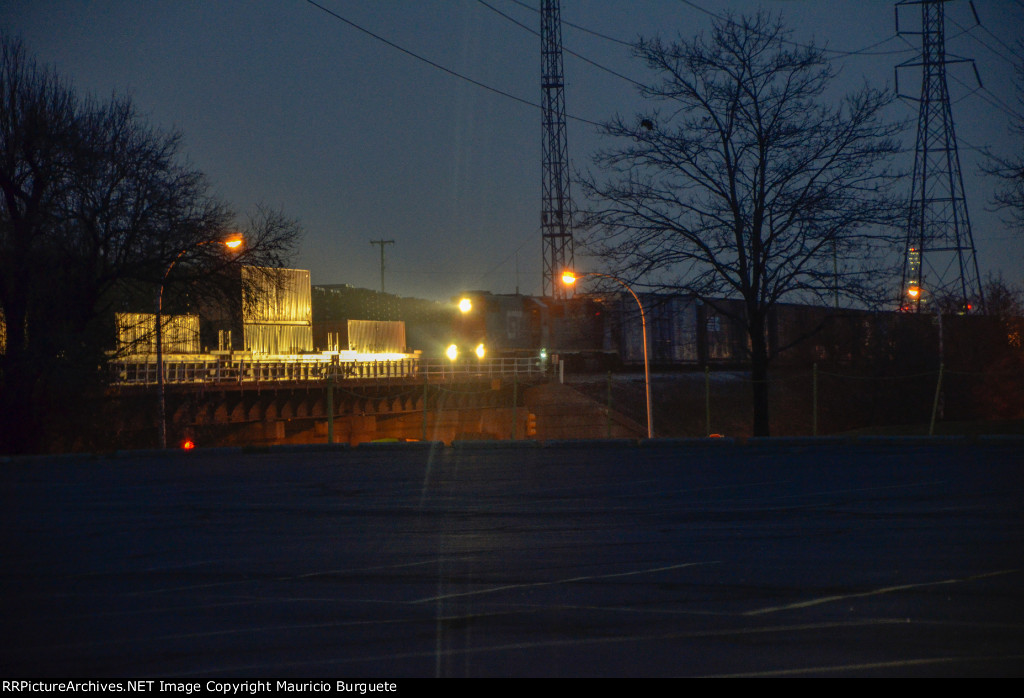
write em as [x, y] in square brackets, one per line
[188, 445]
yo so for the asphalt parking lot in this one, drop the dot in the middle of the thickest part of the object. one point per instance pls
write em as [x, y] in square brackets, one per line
[880, 557]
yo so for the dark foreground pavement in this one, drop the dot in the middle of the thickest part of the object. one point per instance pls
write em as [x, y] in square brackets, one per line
[796, 558]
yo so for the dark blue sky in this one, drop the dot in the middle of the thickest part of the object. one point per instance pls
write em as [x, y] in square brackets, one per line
[283, 104]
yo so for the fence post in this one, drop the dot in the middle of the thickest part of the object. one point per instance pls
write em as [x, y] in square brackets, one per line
[935, 403]
[330, 408]
[515, 401]
[814, 402]
[424, 429]
[707, 400]
[608, 409]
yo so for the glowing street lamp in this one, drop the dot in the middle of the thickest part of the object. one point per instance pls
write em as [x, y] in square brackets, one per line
[569, 278]
[234, 244]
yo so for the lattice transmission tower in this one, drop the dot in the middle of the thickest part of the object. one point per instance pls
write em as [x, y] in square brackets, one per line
[941, 266]
[556, 214]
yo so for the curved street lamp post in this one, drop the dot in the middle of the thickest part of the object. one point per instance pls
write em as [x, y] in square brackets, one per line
[232, 244]
[569, 278]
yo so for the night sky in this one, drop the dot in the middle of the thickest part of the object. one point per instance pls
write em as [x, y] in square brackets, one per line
[281, 103]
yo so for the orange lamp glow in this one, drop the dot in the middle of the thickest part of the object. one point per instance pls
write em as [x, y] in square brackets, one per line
[568, 278]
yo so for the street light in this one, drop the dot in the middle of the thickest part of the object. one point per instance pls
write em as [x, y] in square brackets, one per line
[569, 278]
[233, 244]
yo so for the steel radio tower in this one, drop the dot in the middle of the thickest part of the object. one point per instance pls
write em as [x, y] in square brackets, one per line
[940, 264]
[556, 212]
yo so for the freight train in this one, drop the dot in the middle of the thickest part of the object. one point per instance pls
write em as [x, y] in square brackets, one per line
[596, 331]
[604, 331]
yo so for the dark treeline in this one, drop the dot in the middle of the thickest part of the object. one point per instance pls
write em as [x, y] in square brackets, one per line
[98, 211]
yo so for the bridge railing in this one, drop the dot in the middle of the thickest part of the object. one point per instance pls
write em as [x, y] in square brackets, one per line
[177, 370]
[481, 368]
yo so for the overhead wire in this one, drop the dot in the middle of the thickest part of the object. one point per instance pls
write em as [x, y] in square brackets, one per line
[992, 99]
[438, 66]
[987, 96]
[564, 49]
[970, 33]
[497, 265]
[628, 44]
[983, 93]
[1005, 45]
[865, 51]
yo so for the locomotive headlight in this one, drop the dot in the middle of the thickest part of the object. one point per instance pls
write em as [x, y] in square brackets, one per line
[480, 350]
[452, 352]
[465, 305]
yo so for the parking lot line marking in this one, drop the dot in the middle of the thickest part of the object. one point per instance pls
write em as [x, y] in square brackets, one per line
[491, 590]
[873, 592]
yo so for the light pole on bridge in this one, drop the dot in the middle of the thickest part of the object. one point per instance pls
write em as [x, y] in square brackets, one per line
[234, 244]
[569, 278]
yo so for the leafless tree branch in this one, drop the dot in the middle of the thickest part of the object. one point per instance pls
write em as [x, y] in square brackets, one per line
[743, 181]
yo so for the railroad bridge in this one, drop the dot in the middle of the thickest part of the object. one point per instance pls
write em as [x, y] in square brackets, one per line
[227, 400]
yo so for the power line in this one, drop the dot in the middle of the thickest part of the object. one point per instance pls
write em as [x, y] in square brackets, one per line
[865, 51]
[527, 238]
[1003, 43]
[628, 44]
[986, 95]
[565, 50]
[970, 146]
[438, 66]
[971, 34]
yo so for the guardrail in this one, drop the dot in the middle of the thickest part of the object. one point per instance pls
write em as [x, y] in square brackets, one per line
[143, 371]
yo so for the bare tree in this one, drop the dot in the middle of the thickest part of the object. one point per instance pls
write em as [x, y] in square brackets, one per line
[1009, 168]
[742, 183]
[95, 205]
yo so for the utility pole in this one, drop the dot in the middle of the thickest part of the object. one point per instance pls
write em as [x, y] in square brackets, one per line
[556, 211]
[382, 243]
[940, 261]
